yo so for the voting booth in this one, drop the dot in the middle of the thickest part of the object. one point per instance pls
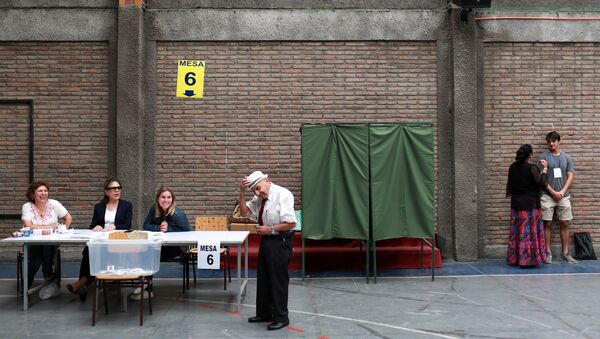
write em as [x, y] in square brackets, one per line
[368, 181]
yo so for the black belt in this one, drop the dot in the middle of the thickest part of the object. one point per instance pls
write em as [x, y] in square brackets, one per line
[281, 235]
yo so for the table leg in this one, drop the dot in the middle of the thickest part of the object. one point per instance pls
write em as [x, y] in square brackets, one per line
[239, 280]
[245, 266]
[25, 276]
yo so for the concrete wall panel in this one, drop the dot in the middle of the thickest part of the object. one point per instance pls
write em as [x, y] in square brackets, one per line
[57, 25]
[297, 4]
[296, 25]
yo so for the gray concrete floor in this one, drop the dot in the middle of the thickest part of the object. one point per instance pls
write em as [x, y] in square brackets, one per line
[484, 306]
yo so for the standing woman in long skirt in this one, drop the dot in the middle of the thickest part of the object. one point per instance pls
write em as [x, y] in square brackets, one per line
[526, 244]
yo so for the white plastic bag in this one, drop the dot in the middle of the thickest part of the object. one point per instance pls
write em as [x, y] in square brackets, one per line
[49, 291]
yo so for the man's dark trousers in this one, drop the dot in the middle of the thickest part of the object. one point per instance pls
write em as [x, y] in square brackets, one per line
[274, 255]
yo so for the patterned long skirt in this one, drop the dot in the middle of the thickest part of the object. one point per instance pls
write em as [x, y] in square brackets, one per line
[526, 243]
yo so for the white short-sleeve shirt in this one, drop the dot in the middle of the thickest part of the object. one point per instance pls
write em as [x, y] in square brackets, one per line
[279, 207]
[54, 211]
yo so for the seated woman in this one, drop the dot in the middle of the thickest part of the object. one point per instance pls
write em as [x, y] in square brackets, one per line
[165, 216]
[42, 213]
[110, 214]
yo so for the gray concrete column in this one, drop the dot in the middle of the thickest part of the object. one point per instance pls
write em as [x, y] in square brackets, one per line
[131, 163]
[466, 137]
[445, 149]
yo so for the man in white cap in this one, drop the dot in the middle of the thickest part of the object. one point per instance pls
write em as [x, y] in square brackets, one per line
[273, 207]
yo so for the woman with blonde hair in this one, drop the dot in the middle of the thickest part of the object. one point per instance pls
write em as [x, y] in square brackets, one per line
[165, 216]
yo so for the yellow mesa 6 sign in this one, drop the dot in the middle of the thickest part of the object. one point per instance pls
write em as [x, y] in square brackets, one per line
[190, 79]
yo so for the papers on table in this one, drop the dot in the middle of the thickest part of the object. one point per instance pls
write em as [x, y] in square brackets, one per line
[86, 234]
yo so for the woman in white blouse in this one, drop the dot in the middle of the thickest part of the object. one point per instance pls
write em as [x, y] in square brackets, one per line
[42, 213]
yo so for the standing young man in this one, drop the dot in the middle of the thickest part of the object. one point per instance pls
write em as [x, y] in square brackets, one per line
[273, 207]
[556, 196]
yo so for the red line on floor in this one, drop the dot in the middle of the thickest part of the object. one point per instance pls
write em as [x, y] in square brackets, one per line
[206, 305]
[295, 329]
[234, 313]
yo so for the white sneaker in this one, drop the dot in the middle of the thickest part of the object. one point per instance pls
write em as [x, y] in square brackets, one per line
[568, 258]
[549, 258]
[139, 296]
[136, 290]
[49, 291]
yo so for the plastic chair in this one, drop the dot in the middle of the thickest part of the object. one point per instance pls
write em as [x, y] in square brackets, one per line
[210, 223]
[123, 281]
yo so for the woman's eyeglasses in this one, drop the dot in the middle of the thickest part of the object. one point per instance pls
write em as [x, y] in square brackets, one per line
[116, 188]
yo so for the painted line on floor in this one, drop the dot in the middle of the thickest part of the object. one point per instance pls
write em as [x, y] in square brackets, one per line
[470, 275]
[473, 302]
[360, 321]
[482, 275]
[295, 329]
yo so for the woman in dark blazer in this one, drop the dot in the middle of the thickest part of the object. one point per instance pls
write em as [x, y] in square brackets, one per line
[110, 214]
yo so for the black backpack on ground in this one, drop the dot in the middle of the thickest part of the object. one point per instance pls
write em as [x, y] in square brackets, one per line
[584, 248]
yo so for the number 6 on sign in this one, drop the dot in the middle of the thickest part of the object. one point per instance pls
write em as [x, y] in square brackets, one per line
[208, 255]
[190, 79]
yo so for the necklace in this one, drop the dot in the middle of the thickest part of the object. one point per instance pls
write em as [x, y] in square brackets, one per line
[41, 212]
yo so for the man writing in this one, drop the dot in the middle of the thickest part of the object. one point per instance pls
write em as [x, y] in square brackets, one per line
[273, 207]
[556, 196]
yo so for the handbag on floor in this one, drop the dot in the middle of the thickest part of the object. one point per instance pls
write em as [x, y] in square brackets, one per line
[584, 248]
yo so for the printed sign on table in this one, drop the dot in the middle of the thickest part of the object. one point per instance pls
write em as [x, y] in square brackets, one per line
[208, 255]
[190, 79]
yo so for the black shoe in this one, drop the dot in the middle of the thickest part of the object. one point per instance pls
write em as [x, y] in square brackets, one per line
[278, 325]
[48, 277]
[82, 292]
[258, 320]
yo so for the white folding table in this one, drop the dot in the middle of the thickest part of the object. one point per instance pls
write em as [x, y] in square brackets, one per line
[229, 238]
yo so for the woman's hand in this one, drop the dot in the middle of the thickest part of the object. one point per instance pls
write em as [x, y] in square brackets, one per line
[164, 226]
[98, 228]
[545, 165]
[110, 228]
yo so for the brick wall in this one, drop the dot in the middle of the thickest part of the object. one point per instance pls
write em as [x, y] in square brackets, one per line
[68, 82]
[257, 95]
[14, 156]
[531, 89]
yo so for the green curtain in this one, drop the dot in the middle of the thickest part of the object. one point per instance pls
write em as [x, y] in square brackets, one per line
[335, 181]
[402, 181]
[346, 167]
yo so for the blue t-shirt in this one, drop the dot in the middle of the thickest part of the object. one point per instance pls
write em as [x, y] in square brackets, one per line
[562, 162]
